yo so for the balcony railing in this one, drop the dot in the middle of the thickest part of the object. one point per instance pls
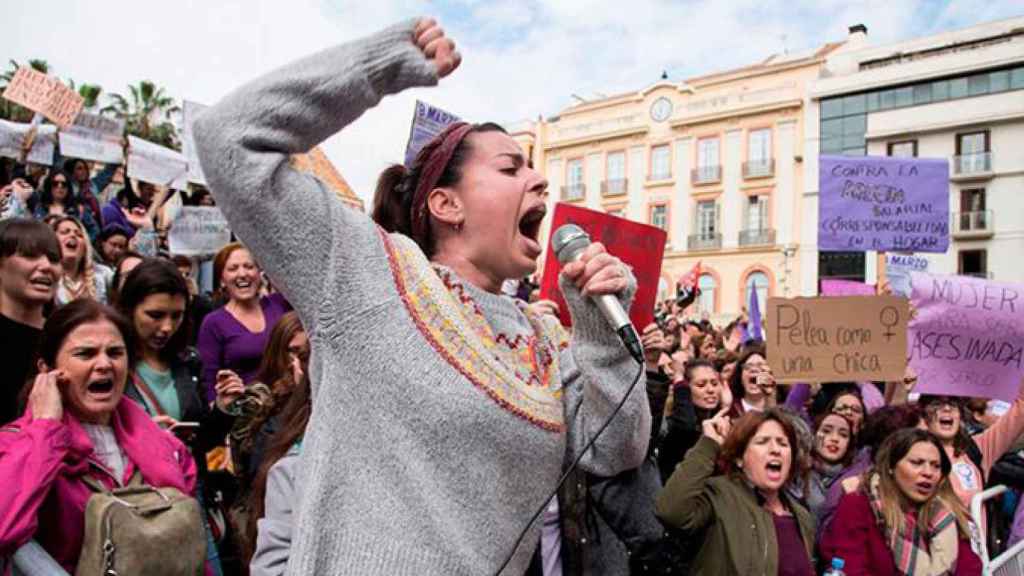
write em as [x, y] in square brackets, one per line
[757, 237]
[706, 174]
[972, 223]
[574, 192]
[706, 241]
[614, 187]
[976, 163]
[759, 168]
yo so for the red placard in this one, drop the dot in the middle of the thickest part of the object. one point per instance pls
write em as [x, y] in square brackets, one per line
[639, 245]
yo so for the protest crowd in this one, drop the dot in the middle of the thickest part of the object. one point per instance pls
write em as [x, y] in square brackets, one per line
[308, 410]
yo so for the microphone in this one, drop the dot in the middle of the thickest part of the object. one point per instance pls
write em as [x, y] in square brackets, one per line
[569, 241]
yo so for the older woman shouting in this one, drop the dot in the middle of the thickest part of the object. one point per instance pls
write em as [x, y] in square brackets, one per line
[79, 426]
[444, 412]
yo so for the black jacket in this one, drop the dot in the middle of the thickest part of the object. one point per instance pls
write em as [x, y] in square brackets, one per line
[214, 424]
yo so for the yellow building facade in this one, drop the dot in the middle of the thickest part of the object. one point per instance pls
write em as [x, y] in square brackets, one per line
[716, 161]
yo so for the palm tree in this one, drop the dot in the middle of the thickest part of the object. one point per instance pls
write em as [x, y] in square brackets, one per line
[147, 113]
[9, 110]
[90, 94]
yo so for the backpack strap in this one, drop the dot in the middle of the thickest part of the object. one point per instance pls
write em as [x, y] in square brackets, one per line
[143, 389]
[973, 452]
[99, 488]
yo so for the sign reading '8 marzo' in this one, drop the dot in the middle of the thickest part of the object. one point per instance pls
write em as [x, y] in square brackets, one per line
[885, 204]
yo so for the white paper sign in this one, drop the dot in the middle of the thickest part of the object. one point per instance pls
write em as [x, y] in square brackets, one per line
[12, 135]
[188, 144]
[84, 143]
[198, 230]
[99, 123]
[157, 165]
[898, 268]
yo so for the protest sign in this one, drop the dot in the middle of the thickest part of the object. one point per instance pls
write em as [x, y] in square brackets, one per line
[44, 94]
[428, 121]
[155, 164]
[639, 246]
[898, 268]
[839, 287]
[840, 339]
[12, 136]
[198, 231]
[315, 162]
[881, 203]
[968, 336]
[94, 137]
[188, 144]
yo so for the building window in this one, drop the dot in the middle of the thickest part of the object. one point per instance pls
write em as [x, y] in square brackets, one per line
[904, 149]
[757, 213]
[661, 163]
[574, 189]
[709, 168]
[759, 153]
[973, 216]
[756, 281]
[972, 153]
[972, 263]
[707, 219]
[615, 170]
[706, 300]
[843, 127]
[659, 216]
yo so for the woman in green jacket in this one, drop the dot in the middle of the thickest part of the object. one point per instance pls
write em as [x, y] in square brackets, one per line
[748, 523]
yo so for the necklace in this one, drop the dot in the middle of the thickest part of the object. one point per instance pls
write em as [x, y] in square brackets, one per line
[74, 287]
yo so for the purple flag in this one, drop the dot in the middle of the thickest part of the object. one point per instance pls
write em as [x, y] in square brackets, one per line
[881, 203]
[754, 332]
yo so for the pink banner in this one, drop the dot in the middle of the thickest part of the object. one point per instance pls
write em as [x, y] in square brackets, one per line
[968, 336]
[831, 287]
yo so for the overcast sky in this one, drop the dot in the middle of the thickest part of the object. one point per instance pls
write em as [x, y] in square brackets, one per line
[521, 58]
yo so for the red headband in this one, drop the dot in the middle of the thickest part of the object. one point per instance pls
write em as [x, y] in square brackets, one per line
[434, 158]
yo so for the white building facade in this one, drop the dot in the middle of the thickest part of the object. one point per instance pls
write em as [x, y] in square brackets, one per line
[958, 96]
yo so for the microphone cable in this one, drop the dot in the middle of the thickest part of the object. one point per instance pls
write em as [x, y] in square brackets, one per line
[575, 462]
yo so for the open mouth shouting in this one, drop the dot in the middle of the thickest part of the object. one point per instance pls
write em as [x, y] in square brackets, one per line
[775, 471]
[924, 488]
[42, 282]
[100, 389]
[529, 229]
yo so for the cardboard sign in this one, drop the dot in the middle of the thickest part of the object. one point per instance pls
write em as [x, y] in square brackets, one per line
[428, 121]
[94, 137]
[157, 165]
[638, 245]
[898, 268]
[188, 144]
[44, 94]
[198, 231]
[315, 162]
[882, 203]
[968, 336]
[842, 339]
[839, 287]
[12, 136]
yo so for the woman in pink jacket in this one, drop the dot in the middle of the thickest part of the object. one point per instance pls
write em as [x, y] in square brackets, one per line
[79, 424]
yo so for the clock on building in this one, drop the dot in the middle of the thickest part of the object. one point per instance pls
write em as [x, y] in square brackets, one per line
[661, 109]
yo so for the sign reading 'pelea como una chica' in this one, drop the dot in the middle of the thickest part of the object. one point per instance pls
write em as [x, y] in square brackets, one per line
[881, 203]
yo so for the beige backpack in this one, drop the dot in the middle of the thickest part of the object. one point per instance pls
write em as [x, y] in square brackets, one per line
[139, 529]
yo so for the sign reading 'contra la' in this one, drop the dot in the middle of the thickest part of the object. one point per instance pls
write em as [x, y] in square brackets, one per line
[881, 203]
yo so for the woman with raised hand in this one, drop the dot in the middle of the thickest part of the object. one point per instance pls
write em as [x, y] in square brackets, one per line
[699, 396]
[80, 279]
[904, 519]
[442, 412]
[752, 384]
[747, 519]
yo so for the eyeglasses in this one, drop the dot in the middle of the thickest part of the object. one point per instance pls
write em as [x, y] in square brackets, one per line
[936, 404]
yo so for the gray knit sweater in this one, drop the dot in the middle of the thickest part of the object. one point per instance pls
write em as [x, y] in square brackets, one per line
[429, 446]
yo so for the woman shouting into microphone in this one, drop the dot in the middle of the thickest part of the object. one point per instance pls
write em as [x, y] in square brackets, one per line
[444, 412]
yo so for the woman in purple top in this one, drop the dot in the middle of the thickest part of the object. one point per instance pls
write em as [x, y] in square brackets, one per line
[232, 337]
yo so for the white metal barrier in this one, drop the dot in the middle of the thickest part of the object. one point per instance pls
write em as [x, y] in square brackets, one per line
[1011, 561]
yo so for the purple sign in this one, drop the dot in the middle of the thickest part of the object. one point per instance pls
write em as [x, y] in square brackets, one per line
[427, 122]
[968, 336]
[881, 203]
[838, 287]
